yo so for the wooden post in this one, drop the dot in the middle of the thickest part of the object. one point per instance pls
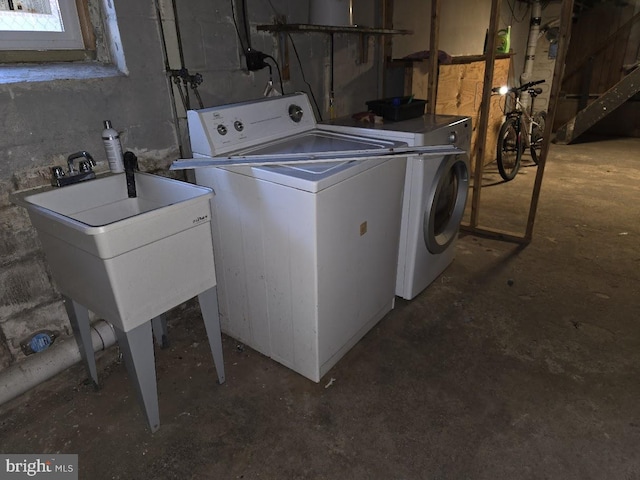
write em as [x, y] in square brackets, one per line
[387, 22]
[563, 43]
[483, 121]
[433, 56]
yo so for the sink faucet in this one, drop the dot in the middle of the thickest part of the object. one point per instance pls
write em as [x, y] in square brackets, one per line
[84, 166]
[130, 165]
[82, 173]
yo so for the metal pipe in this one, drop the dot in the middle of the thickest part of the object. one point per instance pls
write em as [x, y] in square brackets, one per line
[532, 43]
[331, 78]
[178, 35]
[167, 66]
[37, 368]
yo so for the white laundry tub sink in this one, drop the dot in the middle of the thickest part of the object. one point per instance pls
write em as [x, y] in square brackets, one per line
[126, 259]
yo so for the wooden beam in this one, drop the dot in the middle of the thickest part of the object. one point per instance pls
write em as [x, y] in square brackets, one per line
[434, 41]
[492, 233]
[554, 94]
[585, 84]
[88, 35]
[600, 108]
[387, 23]
[483, 122]
[600, 47]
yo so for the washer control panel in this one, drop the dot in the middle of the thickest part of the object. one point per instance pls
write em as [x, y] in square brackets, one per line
[219, 130]
[295, 113]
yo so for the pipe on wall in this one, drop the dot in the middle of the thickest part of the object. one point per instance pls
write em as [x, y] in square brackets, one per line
[532, 43]
[37, 368]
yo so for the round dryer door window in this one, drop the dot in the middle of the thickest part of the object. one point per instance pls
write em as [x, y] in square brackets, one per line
[445, 203]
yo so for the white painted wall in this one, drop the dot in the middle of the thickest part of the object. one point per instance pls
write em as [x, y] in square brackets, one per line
[462, 29]
[544, 66]
[463, 25]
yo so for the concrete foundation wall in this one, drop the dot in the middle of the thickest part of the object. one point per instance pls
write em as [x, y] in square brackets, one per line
[43, 122]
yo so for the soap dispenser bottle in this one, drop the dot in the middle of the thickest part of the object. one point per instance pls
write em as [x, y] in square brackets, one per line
[112, 147]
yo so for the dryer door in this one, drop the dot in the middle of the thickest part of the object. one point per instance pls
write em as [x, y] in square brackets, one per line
[445, 203]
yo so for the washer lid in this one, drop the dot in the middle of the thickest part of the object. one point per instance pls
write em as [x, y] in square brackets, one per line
[313, 144]
[400, 129]
[312, 160]
[254, 158]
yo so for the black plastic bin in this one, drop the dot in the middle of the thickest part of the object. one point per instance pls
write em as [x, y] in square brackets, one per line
[397, 108]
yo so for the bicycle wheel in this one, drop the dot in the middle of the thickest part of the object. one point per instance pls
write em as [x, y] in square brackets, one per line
[509, 149]
[537, 132]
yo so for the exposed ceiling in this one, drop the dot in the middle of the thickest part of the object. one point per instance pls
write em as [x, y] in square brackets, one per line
[580, 6]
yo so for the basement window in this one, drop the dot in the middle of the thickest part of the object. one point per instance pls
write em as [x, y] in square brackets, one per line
[43, 40]
[45, 30]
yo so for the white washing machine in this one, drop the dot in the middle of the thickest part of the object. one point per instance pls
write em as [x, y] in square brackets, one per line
[306, 239]
[435, 193]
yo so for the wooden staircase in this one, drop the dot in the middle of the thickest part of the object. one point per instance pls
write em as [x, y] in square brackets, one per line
[602, 65]
[600, 108]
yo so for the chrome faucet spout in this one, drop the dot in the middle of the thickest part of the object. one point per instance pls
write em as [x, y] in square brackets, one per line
[76, 175]
[81, 154]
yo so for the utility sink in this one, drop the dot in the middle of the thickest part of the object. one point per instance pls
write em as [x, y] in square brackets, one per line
[126, 259]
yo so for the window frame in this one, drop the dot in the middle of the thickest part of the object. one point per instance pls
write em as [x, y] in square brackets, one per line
[76, 43]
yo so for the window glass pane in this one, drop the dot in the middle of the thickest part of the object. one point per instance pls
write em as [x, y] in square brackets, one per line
[27, 6]
[30, 16]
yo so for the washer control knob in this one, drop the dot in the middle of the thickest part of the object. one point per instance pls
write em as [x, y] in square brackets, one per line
[295, 113]
[453, 137]
[238, 125]
[222, 130]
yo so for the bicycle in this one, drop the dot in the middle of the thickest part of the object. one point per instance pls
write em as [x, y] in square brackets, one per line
[521, 129]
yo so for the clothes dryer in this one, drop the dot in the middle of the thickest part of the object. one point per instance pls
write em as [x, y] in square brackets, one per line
[435, 193]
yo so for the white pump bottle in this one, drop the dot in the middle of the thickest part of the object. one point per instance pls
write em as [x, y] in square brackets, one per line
[112, 147]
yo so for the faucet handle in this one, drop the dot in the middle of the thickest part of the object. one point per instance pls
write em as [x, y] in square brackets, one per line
[57, 172]
[82, 154]
[85, 166]
[90, 160]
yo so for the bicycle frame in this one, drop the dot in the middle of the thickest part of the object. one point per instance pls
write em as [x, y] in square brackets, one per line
[523, 117]
[519, 131]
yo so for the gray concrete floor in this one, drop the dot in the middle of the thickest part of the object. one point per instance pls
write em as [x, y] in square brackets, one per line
[516, 363]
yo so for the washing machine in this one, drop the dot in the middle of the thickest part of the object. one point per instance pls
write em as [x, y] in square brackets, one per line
[306, 227]
[435, 193]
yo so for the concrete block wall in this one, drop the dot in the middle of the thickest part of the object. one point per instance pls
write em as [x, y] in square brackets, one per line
[212, 48]
[43, 122]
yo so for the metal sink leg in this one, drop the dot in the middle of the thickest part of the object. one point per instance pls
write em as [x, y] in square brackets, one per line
[159, 325]
[137, 348]
[79, 319]
[209, 308]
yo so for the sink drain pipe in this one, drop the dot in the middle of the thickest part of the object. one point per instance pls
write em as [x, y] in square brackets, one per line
[37, 368]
